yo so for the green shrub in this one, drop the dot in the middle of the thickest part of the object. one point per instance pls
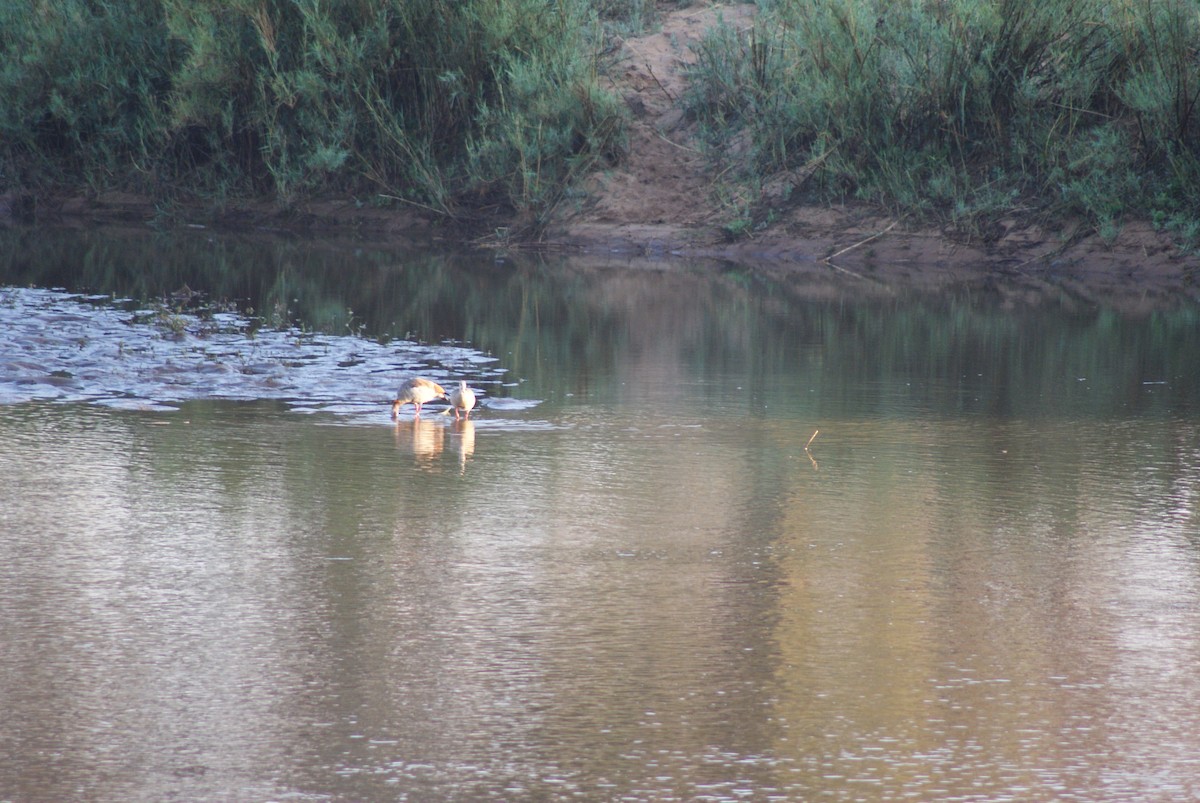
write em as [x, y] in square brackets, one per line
[965, 109]
[82, 84]
[448, 104]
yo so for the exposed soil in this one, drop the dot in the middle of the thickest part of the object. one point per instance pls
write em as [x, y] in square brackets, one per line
[662, 201]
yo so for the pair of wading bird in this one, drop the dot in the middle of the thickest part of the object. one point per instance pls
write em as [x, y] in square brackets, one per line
[419, 390]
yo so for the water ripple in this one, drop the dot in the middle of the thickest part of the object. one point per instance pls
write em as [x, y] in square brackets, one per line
[72, 348]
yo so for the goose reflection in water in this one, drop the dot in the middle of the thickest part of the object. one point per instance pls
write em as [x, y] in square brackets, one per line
[425, 439]
[463, 442]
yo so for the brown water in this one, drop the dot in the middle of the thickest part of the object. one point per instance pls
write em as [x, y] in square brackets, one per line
[226, 574]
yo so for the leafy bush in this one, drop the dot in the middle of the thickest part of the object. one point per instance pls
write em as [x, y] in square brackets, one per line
[448, 104]
[966, 109]
[83, 84]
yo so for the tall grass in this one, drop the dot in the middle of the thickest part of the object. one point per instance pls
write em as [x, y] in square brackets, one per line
[83, 89]
[453, 105]
[968, 110]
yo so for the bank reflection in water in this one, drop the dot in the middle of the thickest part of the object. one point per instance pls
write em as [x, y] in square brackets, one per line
[643, 590]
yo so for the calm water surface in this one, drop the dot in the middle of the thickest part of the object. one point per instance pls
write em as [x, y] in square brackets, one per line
[227, 574]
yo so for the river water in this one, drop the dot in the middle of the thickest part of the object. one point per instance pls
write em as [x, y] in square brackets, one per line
[227, 574]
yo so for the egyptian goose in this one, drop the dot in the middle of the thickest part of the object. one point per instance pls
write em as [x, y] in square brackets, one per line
[462, 398]
[417, 391]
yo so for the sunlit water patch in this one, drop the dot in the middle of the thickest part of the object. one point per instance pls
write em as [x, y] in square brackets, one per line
[59, 346]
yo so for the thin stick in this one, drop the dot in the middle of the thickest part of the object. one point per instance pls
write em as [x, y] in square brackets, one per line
[813, 438]
[863, 242]
[846, 271]
[677, 145]
[650, 70]
[435, 210]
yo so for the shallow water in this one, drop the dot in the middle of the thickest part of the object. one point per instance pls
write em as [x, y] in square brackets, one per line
[227, 574]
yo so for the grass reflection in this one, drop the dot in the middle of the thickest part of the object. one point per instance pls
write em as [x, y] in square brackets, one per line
[566, 327]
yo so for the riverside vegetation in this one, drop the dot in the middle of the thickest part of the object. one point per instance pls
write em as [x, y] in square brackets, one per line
[961, 112]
